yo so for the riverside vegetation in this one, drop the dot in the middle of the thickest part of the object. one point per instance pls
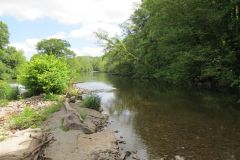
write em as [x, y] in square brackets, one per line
[49, 73]
[179, 42]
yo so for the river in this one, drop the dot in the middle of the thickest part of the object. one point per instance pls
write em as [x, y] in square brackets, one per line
[163, 122]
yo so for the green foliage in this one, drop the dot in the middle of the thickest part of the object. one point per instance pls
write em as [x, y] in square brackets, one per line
[83, 114]
[71, 91]
[10, 58]
[78, 65]
[52, 97]
[45, 113]
[6, 91]
[45, 74]
[4, 35]
[57, 47]
[31, 118]
[179, 42]
[3, 102]
[62, 126]
[92, 102]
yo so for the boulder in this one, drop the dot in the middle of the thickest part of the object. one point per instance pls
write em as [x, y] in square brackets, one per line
[19, 144]
[72, 99]
[73, 122]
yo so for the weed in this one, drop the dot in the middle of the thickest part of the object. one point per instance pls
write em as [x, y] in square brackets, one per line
[92, 102]
[62, 126]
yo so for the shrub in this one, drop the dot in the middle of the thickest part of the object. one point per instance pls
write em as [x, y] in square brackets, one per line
[45, 74]
[92, 102]
[6, 91]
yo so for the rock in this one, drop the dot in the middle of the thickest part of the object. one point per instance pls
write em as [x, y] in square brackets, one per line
[100, 109]
[177, 157]
[135, 157]
[19, 144]
[116, 131]
[73, 122]
[72, 99]
[79, 97]
[126, 155]
[121, 142]
[238, 101]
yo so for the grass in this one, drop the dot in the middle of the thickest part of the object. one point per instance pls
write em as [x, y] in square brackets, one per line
[72, 91]
[92, 102]
[52, 97]
[31, 118]
[4, 102]
[83, 114]
[62, 126]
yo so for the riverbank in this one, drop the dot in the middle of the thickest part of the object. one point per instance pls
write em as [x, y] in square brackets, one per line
[73, 132]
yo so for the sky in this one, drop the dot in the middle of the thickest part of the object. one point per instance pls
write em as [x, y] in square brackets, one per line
[29, 21]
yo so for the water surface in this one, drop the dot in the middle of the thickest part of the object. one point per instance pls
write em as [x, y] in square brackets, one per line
[159, 121]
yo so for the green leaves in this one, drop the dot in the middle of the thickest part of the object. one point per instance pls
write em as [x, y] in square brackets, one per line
[57, 47]
[187, 41]
[10, 58]
[45, 74]
[92, 102]
[4, 35]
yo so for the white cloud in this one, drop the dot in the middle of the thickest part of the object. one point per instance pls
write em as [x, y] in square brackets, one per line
[89, 51]
[88, 29]
[28, 46]
[60, 35]
[69, 12]
[88, 15]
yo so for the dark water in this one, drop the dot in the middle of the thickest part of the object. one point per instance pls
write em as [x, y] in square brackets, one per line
[161, 122]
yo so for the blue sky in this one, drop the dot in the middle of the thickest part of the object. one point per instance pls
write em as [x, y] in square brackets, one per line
[29, 21]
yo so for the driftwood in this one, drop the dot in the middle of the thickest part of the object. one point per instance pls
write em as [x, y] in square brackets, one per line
[38, 152]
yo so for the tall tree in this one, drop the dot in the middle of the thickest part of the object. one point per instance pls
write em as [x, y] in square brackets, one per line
[57, 47]
[187, 41]
[4, 35]
[10, 58]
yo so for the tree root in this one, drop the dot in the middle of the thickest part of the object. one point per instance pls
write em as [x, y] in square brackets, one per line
[38, 152]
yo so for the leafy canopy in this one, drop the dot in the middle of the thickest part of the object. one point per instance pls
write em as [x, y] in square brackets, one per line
[11, 59]
[57, 47]
[4, 35]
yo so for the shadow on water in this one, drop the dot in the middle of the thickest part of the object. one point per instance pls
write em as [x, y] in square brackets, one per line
[161, 121]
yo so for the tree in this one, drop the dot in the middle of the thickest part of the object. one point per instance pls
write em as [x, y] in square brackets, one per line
[57, 47]
[4, 35]
[10, 58]
[187, 41]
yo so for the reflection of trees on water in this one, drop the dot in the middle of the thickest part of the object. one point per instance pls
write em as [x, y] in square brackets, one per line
[173, 121]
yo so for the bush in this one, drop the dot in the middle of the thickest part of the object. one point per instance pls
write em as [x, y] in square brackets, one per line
[92, 102]
[6, 91]
[45, 74]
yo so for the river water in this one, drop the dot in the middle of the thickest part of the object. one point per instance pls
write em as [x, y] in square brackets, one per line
[162, 122]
